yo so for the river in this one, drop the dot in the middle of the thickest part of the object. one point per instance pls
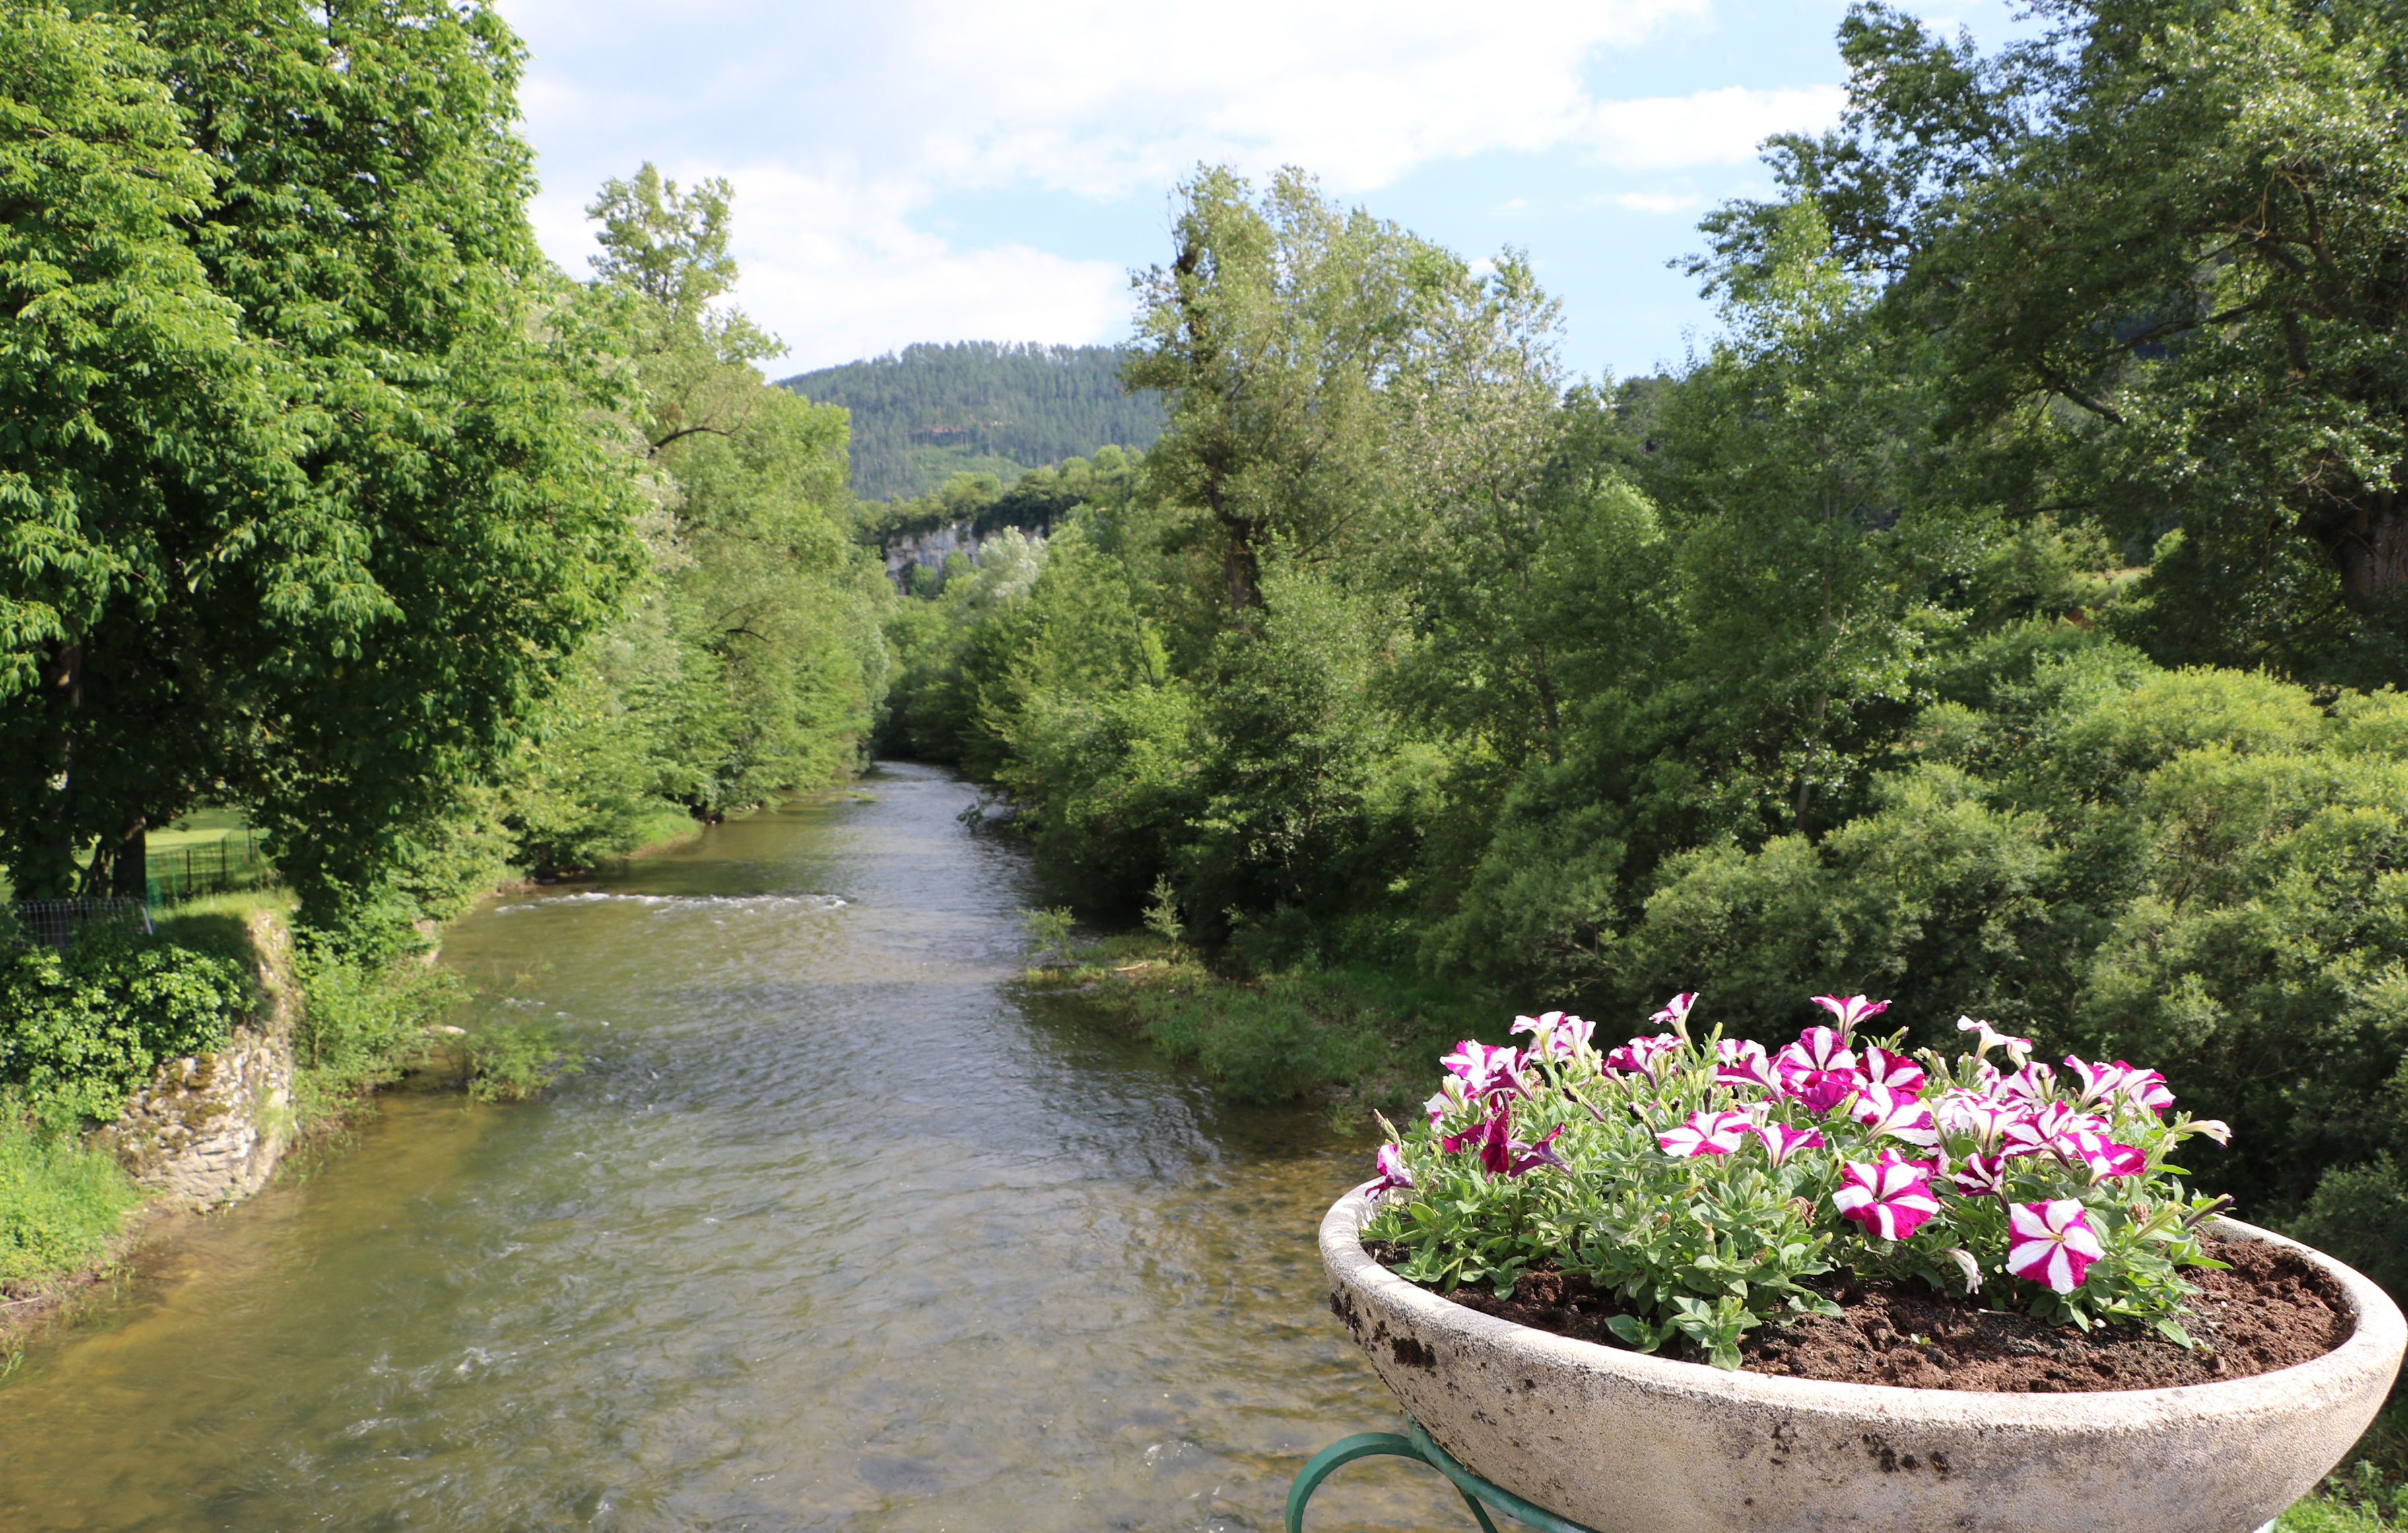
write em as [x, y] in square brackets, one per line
[839, 1230]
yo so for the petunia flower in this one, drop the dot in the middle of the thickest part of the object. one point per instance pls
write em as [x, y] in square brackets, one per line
[2051, 1244]
[1707, 1134]
[1854, 1010]
[1901, 1115]
[1395, 1175]
[1891, 1198]
[1881, 1067]
[1644, 1057]
[2146, 1090]
[2035, 1084]
[2101, 1156]
[1984, 1118]
[2099, 1082]
[1449, 1099]
[1780, 1140]
[1485, 1071]
[1819, 1070]
[1968, 1266]
[1675, 1014]
[1501, 1154]
[2215, 1128]
[2018, 1048]
[1981, 1176]
[1738, 1062]
[1556, 1035]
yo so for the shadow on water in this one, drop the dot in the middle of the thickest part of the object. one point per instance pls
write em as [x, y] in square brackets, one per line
[839, 1230]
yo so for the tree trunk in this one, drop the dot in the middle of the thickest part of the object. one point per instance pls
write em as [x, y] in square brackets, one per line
[2368, 536]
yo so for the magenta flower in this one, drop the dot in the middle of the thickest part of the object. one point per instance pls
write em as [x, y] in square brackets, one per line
[1891, 1198]
[1395, 1175]
[1855, 1009]
[1819, 1070]
[1501, 1154]
[1485, 1071]
[1742, 1063]
[2051, 1244]
[1881, 1067]
[2046, 1130]
[2035, 1084]
[2020, 1049]
[1449, 1099]
[2102, 1157]
[1706, 1134]
[1780, 1140]
[1644, 1057]
[2099, 1082]
[1886, 1110]
[1981, 1176]
[1675, 1014]
[2146, 1090]
[1984, 1118]
[1554, 1035]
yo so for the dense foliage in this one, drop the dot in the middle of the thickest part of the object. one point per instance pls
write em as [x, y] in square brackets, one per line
[1877, 650]
[924, 415]
[87, 1026]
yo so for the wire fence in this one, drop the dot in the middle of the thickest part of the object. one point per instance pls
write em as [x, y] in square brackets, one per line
[57, 922]
[234, 861]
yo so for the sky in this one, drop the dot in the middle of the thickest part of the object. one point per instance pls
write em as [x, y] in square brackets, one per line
[936, 170]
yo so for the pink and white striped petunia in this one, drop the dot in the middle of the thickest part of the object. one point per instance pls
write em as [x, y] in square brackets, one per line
[1780, 1140]
[1738, 1062]
[1485, 1071]
[2146, 1090]
[2035, 1084]
[1891, 1198]
[1881, 1067]
[1984, 1118]
[1644, 1057]
[1501, 1154]
[2051, 1244]
[1675, 1014]
[2046, 1130]
[1706, 1134]
[2099, 1082]
[1981, 1176]
[2020, 1049]
[1900, 1114]
[1556, 1035]
[1395, 1175]
[2102, 1157]
[1854, 1010]
[1819, 1070]
[1449, 1099]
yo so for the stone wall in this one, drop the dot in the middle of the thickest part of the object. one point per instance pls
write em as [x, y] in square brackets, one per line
[209, 1128]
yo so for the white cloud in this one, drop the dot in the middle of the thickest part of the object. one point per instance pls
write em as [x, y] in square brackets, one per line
[1709, 127]
[1656, 202]
[845, 127]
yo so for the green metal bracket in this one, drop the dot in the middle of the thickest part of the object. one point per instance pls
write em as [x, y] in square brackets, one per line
[1477, 1494]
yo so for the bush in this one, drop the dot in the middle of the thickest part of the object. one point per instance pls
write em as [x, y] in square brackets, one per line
[60, 1204]
[80, 1029]
[358, 1018]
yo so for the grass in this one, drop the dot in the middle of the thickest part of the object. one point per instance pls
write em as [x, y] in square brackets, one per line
[62, 1207]
[1359, 1040]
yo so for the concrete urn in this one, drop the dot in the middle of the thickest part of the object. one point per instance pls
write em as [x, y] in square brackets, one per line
[1624, 1443]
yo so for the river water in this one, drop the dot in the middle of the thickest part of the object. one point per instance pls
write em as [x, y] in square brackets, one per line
[839, 1230]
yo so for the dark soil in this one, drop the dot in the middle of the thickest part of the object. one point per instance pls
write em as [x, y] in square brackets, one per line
[2268, 1309]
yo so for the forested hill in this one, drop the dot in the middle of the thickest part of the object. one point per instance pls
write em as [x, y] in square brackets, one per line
[978, 407]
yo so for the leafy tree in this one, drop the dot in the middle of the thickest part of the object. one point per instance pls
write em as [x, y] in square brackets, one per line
[350, 636]
[2162, 249]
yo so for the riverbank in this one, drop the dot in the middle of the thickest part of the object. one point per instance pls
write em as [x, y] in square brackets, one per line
[1355, 1040]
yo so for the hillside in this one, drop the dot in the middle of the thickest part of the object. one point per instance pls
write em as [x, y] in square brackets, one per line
[978, 407]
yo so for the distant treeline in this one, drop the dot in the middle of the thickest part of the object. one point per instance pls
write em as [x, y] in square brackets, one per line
[978, 407]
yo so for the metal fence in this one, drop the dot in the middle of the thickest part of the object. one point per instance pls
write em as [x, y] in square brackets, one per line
[233, 861]
[57, 922]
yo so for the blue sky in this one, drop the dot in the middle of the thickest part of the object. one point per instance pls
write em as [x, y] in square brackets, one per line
[939, 170]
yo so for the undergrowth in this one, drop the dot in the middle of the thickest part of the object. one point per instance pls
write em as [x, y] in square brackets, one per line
[1358, 1038]
[61, 1206]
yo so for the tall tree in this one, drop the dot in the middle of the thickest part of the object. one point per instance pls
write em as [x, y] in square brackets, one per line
[346, 647]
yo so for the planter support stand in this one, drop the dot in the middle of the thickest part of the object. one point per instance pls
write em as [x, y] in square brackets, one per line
[1477, 1494]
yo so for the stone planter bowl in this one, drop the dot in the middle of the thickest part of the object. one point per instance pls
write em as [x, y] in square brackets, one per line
[1624, 1443]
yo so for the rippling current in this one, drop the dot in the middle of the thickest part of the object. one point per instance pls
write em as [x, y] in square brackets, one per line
[839, 1230]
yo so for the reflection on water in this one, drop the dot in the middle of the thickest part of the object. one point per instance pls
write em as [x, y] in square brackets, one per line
[836, 1231]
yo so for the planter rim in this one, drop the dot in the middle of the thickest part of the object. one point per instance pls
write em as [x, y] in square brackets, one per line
[2374, 1344]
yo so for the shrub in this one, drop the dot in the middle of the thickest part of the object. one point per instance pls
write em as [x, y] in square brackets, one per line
[80, 1029]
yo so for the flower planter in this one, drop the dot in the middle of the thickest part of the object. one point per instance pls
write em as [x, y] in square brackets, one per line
[1629, 1443]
